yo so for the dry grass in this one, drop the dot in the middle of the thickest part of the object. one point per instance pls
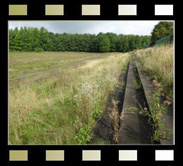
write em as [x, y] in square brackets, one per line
[158, 61]
[116, 119]
[54, 111]
[91, 63]
[24, 63]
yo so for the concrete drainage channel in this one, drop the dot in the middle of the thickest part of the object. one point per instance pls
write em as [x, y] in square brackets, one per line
[125, 122]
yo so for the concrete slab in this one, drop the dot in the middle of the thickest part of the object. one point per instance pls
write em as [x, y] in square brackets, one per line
[133, 126]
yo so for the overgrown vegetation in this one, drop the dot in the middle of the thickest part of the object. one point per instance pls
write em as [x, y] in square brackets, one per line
[155, 116]
[137, 85]
[116, 119]
[83, 136]
[158, 62]
[64, 109]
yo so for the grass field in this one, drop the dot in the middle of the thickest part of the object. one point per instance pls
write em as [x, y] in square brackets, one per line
[158, 62]
[24, 63]
[62, 107]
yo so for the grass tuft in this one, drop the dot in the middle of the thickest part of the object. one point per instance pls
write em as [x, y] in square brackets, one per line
[158, 62]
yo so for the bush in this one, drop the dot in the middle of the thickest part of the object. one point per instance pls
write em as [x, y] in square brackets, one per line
[83, 136]
[37, 49]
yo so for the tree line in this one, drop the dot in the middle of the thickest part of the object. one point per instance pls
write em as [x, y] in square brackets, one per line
[35, 39]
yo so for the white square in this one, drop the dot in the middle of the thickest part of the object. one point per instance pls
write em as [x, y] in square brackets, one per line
[164, 155]
[127, 10]
[127, 155]
[163, 10]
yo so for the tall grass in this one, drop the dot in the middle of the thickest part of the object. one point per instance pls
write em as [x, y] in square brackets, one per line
[59, 109]
[158, 62]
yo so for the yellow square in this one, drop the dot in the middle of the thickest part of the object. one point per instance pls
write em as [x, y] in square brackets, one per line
[15, 10]
[54, 155]
[54, 10]
[90, 9]
[18, 155]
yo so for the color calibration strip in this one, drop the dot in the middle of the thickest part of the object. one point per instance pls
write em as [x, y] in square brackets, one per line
[90, 10]
[55, 155]
[91, 155]
[128, 155]
[54, 10]
[164, 10]
[18, 155]
[18, 10]
[164, 155]
[127, 10]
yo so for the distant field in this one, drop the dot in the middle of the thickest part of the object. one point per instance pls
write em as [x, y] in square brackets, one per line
[24, 63]
[62, 106]
[28, 63]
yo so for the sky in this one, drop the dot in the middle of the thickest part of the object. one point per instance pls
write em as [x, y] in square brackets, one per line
[92, 27]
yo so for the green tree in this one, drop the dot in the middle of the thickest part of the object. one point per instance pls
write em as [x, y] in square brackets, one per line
[16, 46]
[44, 38]
[34, 39]
[113, 39]
[12, 34]
[103, 43]
[161, 30]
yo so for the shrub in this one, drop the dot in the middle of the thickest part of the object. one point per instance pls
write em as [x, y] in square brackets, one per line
[83, 136]
[38, 49]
